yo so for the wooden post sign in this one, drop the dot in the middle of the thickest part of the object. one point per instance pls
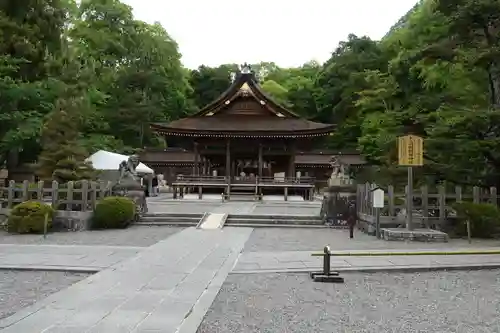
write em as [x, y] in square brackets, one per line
[378, 202]
[410, 154]
[411, 150]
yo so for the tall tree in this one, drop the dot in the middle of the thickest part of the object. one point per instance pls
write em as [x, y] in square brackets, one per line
[30, 46]
[62, 157]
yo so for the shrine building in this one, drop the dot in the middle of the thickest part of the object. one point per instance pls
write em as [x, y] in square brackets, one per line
[245, 142]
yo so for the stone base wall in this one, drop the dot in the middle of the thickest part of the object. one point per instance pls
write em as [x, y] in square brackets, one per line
[65, 220]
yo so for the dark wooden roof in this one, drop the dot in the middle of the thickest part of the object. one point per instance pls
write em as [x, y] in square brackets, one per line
[244, 110]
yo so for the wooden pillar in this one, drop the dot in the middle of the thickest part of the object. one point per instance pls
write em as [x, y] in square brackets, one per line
[228, 159]
[228, 167]
[291, 165]
[286, 193]
[260, 160]
[196, 160]
[200, 192]
[174, 189]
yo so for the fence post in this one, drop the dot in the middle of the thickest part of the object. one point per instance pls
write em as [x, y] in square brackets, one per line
[458, 194]
[102, 190]
[39, 191]
[424, 190]
[85, 195]
[476, 196]
[55, 194]
[11, 194]
[390, 199]
[25, 190]
[69, 196]
[109, 187]
[93, 194]
[442, 204]
[493, 196]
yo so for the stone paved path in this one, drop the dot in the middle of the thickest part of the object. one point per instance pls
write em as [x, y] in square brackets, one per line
[63, 257]
[303, 261]
[163, 204]
[167, 287]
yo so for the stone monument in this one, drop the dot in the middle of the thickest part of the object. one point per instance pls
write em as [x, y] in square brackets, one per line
[129, 184]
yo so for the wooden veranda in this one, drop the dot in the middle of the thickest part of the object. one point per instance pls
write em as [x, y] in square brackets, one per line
[183, 184]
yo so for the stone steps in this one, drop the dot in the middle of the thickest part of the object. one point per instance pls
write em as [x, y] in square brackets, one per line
[174, 219]
[235, 220]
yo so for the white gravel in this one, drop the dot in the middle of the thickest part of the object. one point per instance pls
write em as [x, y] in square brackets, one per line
[437, 302]
[19, 289]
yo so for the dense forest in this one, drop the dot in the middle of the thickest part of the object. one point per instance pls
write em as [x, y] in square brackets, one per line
[78, 78]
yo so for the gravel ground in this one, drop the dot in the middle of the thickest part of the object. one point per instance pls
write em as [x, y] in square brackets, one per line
[132, 236]
[19, 289]
[439, 302]
[288, 239]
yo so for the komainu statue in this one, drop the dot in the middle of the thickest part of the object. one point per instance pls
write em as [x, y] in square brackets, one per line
[129, 184]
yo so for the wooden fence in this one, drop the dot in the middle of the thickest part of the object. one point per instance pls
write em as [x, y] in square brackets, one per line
[72, 196]
[432, 206]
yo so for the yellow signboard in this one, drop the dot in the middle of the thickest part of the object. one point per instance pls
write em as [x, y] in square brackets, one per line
[411, 150]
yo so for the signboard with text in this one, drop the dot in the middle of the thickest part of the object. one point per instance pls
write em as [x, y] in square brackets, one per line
[411, 150]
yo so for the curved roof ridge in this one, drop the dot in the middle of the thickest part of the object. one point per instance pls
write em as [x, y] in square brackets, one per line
[245, 75]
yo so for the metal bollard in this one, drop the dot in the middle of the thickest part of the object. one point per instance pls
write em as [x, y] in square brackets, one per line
[327, 275]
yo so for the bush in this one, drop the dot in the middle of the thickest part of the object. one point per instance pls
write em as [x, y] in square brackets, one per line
[484, 219]
[29, 217]
[113, 213]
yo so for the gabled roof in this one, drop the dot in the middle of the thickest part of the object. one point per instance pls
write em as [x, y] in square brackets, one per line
[245, 83]
[244, 110]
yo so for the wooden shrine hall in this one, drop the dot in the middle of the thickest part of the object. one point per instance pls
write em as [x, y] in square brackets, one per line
[243, 142]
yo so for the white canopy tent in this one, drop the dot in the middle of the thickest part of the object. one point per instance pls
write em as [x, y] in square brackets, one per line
[107, 161]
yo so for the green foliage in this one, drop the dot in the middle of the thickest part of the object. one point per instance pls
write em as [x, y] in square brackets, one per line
[29, 217]
[276, 91]
[62, 158]
[484, 219]
[113, 213]
[436, 74]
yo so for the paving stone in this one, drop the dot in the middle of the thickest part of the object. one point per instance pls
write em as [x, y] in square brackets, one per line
[59, 257]
[142, 302]
[125, 288]
[119, 321]
[165, 281]
[161, 322]
[143, 236]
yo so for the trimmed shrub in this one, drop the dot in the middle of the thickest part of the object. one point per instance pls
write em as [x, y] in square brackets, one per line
[484, 219]
[29, 217]
[113, 213]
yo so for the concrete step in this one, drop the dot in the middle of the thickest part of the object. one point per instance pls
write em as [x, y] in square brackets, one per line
[273, 220]
[170, 219]
[267, 225]
[276, 217]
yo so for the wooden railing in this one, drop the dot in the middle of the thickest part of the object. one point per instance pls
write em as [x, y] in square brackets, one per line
[193, 179]
[201, 179]
[72, 196]
[287, 180]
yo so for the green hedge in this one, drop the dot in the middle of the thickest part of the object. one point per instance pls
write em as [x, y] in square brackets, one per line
[113, 213]
[484, 219]
[29, 217]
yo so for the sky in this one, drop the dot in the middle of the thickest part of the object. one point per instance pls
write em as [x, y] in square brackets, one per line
[288, 33]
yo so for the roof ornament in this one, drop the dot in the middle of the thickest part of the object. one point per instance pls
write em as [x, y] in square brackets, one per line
[245, 69]
[232, 76]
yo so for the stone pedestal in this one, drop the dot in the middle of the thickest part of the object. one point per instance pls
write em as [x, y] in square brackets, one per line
[132, 189]
[419, 235]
